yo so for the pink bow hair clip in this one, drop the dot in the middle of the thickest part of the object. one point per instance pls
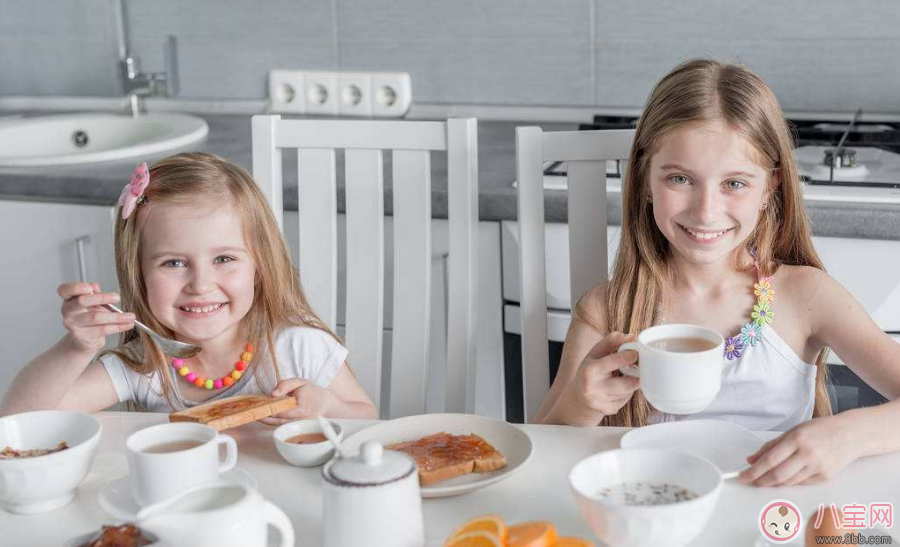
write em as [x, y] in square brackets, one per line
[133, 193]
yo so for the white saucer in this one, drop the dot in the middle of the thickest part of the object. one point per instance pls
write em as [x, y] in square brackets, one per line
[725, 444]
[116, 498]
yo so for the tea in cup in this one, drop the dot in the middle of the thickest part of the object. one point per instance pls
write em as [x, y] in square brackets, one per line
[168, 458]
[680, 366]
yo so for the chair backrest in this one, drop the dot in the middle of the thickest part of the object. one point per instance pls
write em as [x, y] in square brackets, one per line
[586, 153]
[363, 142]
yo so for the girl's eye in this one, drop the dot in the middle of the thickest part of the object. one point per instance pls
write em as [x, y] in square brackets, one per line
[173, 263]
[679, 180]
[787, 525]
[224, 259]
[735, 184]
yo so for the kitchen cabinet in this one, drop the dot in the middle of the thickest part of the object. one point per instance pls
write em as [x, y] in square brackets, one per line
[44, 245]
[489, 394]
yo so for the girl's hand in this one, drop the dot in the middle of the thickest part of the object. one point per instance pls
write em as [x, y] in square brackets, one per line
[86, 320]
[594, 388]
[312, 401]
[811, 452]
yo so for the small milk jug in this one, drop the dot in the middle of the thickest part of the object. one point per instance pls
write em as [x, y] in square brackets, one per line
[372, 500]
[219, 514]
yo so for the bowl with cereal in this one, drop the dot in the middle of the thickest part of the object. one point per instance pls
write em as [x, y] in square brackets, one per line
[44, 456]
[646, 496]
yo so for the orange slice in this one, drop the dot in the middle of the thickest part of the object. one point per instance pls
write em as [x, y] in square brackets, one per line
[491, 524]
[573, 542]
[537, 533]
[474, 539]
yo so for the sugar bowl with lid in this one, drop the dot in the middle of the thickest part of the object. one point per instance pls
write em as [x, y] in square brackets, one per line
[372, 499]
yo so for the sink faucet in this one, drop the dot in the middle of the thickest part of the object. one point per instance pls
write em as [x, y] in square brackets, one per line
[136, 84]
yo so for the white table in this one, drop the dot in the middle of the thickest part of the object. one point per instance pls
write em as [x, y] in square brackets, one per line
[538, 491]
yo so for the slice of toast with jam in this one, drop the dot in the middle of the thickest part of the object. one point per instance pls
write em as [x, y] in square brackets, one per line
[442, 456]
[234, 411]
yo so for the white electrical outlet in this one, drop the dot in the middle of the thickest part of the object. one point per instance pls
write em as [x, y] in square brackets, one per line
[287, 91]
[354, 94]
[360, 94]
[321, 92]
[391, 94]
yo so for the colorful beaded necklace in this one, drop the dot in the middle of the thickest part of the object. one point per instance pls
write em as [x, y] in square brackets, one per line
[224, 381]
[762, 315]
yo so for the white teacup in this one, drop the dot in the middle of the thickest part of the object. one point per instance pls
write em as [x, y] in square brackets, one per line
[220, 514]
[166, 459]
[680, 366]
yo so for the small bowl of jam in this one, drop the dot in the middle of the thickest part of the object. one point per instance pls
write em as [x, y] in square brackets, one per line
[122, 535]
[302, 442]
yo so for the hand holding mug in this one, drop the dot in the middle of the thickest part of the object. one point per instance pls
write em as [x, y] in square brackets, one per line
[680, 366]
[595, 386]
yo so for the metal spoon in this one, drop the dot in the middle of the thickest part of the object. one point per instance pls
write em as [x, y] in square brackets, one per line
[168, 346]
[331, 435]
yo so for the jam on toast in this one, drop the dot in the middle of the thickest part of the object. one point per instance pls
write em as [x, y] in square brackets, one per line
[443, 456]
[234, 411]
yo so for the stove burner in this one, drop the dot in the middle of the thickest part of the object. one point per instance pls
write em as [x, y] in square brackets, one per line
[845, 157]
[830, 152]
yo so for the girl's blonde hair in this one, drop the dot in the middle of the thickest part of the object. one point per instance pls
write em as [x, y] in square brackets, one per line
[701, 91]
[278, 300]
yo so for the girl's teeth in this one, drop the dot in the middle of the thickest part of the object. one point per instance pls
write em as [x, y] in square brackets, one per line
[205, 309]
[707, 236]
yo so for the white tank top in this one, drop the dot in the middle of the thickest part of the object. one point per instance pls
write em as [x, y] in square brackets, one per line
[766, 386]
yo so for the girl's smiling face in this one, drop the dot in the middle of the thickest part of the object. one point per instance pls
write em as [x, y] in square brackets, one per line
[708, 189]
[197, 268]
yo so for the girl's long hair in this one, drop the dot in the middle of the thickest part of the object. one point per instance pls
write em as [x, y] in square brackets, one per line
[701, 91]
[278, 300]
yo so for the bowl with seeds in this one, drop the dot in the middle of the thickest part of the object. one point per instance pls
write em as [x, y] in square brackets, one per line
[646, 496]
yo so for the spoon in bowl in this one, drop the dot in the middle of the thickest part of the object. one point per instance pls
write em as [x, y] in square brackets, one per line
[331, 435]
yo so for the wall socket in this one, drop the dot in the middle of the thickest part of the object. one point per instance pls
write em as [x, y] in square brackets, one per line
[360, 94]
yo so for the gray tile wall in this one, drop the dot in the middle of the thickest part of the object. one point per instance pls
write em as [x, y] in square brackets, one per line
[816, 54]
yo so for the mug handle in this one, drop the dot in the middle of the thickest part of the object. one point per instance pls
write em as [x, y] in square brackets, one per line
[231, 452]
[630, 370]
[276, 517]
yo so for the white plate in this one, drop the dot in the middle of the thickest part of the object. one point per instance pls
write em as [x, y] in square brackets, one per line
[511, 441]
[725, 444]
[116, 498]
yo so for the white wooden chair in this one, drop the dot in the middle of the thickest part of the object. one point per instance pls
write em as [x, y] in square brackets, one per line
[586, 153]
[411, 143]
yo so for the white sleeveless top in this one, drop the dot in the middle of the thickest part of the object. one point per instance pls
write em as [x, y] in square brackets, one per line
[766, 386]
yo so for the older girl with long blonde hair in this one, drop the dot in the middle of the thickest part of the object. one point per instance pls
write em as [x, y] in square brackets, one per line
[199, 259]
[714, 233]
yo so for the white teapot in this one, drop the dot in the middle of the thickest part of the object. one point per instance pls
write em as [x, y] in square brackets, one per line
[218, 514]
[372, 500]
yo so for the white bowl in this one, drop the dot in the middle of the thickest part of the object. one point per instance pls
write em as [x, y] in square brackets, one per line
[43, 483]
[305, 455]
[672, 524]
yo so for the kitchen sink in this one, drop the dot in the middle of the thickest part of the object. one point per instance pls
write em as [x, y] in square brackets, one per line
[70, 139]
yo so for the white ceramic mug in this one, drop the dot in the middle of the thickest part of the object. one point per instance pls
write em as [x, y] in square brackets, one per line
[157, 476]
[677, 382]
[219, 514]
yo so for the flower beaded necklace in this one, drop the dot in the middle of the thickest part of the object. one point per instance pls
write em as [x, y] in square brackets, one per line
[762, 315]
[224, 381]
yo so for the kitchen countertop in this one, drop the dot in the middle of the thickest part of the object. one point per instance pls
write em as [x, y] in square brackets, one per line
[229, 137]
